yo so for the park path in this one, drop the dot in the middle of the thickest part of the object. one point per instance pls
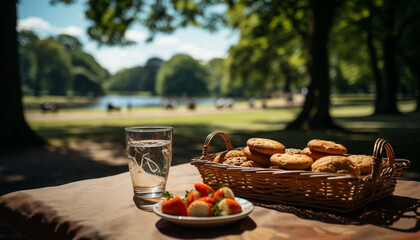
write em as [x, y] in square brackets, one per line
[135, 113]
[139, 112]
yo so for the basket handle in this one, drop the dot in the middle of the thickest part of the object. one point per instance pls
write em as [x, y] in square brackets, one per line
[378, 152]
[210, 137]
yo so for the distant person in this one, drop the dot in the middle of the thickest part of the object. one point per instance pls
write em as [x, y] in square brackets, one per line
[129, 106]
[251, 102]
[304, 91]
[229, 102]
[220, 103]
[288, 96]
[170, 104]
[48, 107]
[112, 107]
[264, 104]
[191, 105]
[165, 104]
[173, 103]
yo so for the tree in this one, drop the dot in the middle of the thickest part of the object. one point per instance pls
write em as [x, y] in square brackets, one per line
[350, 69]
[50, 67]
[408, 48]
[81, 59]
[217, 72]
[84, 83]
[14, 131]
[385, 24]
[149, 77]
[269, 53]
[69, 42]
[181, 76]
[128, 79]
[315, 112]
[312, 19]
[26, 39]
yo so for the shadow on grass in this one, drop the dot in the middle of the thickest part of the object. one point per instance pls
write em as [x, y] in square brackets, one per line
[51, 166]
[33, 168]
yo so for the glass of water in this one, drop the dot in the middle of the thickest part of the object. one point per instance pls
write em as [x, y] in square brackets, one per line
[149, 150]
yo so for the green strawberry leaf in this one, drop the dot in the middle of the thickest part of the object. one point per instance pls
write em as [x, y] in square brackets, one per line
[167, 195]
[186, 194]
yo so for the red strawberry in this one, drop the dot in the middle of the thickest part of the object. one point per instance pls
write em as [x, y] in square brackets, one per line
[172, 204]
[223, 192]
[200, 208]
[228, 207]
[191, 197]
[203, 189]
[208, 200]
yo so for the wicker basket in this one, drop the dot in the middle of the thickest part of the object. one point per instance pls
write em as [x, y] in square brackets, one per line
[329, 191]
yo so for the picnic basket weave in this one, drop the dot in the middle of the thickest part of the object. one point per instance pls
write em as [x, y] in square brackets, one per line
[328, 191]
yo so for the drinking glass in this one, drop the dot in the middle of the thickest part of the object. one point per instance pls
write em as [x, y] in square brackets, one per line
[149, 150]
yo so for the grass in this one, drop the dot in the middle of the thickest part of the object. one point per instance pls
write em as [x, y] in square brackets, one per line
[352, 112]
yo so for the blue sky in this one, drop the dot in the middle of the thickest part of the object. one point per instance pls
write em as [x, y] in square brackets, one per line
[47, 20]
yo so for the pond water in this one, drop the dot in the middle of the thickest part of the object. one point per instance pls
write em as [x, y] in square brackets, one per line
[142, 101]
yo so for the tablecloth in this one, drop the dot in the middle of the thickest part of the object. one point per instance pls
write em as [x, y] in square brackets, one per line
[103, 208]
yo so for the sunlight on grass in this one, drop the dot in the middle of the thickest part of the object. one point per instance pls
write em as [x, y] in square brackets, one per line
[274, 119]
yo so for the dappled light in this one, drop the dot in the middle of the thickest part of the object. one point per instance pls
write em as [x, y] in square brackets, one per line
[75, 74]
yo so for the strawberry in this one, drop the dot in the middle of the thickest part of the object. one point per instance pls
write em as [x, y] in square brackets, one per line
[172, 204]
[203, 189]
[200, 208]
[191, 197]
[228, 206]
[208, 200]
[223, 192]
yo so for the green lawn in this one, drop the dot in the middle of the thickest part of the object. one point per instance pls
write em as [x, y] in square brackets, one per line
[353, 112]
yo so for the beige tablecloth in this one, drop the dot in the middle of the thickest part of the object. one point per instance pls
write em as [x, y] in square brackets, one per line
[104, 209]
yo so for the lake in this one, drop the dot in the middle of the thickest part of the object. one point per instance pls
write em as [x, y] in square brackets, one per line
[142, 101]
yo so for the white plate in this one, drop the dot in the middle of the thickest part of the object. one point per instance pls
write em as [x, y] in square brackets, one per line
[247, 208]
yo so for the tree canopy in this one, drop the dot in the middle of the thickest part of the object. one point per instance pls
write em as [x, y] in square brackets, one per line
[181, 76]
[58, 65]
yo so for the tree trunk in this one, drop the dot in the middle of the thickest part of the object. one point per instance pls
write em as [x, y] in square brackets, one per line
[373, 62]
[389, 103]
[14, 131]
[315, 112]
[414, 66]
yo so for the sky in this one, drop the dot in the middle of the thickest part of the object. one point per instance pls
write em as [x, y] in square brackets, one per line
[47, 20]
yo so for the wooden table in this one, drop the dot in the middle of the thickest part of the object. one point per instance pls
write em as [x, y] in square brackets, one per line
[103, 208]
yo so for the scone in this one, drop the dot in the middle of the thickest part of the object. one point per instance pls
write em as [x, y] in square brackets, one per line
[251, 163]
[258, 157]
[237, 161]
[326, 147]
[364, 162]
[293, 150]
[265, 146]
[314, 154]
[291, 161]
[221, 157]
[336, 164]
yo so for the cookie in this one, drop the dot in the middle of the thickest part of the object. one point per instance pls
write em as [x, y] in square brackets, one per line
[258, 157]
[291, 161]
[221, 157]
[336, 164]
[364, 162]
[251, 163]
[265, 146]
[326, 147]
[237, 161]
[314, 154]
[293, 150]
